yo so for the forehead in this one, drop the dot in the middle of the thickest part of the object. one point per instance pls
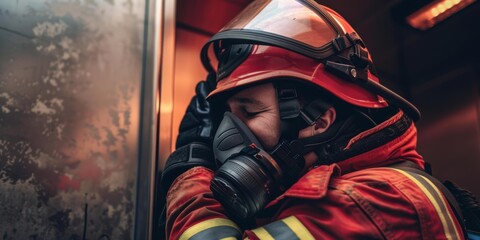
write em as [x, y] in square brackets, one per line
[259, 94]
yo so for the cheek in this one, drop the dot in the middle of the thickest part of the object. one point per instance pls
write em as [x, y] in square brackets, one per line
[266, 128]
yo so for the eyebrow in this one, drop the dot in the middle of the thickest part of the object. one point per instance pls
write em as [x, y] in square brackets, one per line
[247, 101]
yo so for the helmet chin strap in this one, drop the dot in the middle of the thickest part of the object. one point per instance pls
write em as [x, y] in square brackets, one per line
[294, 117]
[329, 145]
[291, 116]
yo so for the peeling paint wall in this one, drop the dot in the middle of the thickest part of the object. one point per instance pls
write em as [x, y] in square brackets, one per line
[70, 77]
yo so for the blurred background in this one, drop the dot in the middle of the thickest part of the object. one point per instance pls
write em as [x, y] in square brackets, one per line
[92, 93]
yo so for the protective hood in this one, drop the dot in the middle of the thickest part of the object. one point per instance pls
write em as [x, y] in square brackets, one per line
[401, 148]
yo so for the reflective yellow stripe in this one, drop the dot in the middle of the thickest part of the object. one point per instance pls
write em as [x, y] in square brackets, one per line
[298, 228]
[449, 216]
[262, 234]
[441, 214]
[229, 238]
[215, 222]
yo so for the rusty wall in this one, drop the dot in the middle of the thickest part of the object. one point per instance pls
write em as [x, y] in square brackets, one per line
[70, 77]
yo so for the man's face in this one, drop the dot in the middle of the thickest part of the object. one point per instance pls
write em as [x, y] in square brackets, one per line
[258, 108]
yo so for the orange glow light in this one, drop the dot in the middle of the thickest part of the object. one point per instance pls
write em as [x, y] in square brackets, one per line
[436, 12]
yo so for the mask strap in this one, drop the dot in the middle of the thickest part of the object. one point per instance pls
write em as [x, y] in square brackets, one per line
[290, 111]
[315, 109]
[293, 117]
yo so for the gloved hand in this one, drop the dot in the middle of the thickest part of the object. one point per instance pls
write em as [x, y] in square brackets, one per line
[194, 141]
[193, 147]
[184, 158]
[196, 125]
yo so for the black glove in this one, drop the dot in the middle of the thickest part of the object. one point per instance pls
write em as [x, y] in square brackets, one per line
[196, 125]
[194, 141]
[184, 158]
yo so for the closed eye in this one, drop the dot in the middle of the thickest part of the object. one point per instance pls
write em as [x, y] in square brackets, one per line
[252, 113]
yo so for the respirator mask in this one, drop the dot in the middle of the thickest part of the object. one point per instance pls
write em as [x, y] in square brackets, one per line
[249, 176]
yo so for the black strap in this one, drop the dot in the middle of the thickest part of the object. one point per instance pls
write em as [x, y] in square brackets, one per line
[184, 158]
[414, 168]
[287, 101]
[315, 109]
[290, 110]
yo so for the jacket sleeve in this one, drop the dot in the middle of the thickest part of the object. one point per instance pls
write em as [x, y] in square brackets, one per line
[328, 218]
[193, 213]
[361, 207]
[376, 204]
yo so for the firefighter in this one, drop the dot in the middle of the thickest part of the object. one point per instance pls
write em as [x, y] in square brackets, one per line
[309, 144]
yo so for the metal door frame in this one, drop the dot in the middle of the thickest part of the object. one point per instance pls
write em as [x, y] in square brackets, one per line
[156, 109]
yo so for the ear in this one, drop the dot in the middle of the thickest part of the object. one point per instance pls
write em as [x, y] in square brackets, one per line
[325, 121]
[321, 125]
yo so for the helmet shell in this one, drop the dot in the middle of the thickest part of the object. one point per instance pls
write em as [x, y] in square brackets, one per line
[270, 63]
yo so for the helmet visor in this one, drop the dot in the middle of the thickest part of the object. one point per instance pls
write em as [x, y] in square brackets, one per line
[299, 20]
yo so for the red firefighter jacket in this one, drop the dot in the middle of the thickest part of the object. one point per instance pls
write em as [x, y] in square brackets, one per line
[358, 198]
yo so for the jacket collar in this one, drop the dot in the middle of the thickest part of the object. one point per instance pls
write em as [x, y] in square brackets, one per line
[314, 184]
[401, 148]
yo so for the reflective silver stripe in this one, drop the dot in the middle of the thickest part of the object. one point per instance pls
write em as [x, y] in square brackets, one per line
[220, 232]
[286, 229]
[216, 228]
[279, 231]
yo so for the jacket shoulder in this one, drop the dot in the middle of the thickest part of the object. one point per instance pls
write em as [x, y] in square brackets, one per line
[386, 193]
[365, 200]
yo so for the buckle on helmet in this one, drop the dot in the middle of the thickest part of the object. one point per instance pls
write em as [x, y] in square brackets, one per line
[287, 93]
[341, 43]
[359, 57]
[346, 41]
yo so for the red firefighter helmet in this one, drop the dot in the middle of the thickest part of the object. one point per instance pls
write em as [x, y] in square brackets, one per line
[300, 40]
